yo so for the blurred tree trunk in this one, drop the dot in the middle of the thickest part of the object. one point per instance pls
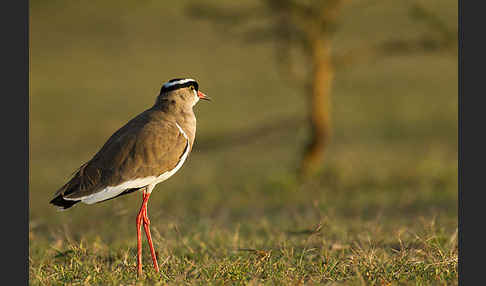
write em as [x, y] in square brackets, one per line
[307, 26]
[319, 104]
[318, 35]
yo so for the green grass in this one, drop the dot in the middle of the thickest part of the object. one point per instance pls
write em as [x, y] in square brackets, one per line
[382, 211]
[261, 253]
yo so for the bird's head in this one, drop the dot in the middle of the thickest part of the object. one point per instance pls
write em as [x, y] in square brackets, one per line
[182, 92]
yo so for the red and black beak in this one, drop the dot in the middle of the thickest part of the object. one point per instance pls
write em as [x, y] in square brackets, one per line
[203, 96]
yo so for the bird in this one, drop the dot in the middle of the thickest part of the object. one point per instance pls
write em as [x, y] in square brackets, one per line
[147, 150]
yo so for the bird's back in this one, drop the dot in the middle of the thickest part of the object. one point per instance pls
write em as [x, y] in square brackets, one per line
[148, 145]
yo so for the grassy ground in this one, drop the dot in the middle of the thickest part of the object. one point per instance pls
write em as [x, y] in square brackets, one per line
[383, 210]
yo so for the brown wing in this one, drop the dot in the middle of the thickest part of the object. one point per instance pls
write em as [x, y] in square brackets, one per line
[148, 145]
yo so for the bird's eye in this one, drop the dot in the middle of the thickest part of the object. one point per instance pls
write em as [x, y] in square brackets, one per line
[192, 87]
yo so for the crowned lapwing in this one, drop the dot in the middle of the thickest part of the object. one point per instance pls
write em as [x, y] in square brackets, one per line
[147, 150]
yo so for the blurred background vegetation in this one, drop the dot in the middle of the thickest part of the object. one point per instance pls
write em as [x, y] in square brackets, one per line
[391, 159]
[303, 32]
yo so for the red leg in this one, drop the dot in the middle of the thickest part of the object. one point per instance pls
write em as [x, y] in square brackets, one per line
[139, 238]
[146, 226]
[141, 218]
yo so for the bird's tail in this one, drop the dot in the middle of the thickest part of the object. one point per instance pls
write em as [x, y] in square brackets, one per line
[61, 203]
[70, 187]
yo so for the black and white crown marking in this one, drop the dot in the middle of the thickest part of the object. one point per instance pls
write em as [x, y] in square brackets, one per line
[177, 83]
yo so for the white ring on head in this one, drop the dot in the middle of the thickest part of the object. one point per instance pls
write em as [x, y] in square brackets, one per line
[182, 81]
